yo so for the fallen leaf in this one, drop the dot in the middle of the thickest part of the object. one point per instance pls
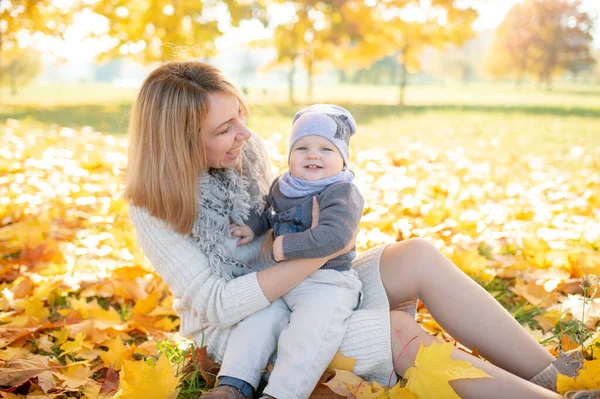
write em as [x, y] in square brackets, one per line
[75, 376]
[341, 362]
[341, 381]
[114, 356]
[434, 368]
[72, 346]
[15, 372]
[139, 379]
[587, 378]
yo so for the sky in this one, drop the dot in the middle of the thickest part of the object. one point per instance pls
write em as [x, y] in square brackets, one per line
[76, 48]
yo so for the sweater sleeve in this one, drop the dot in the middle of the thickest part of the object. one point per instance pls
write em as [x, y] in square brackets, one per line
[259, 222]
[341, 209]
[185, 269]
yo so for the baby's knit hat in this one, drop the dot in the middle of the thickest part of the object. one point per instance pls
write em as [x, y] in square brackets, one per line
[327, 120]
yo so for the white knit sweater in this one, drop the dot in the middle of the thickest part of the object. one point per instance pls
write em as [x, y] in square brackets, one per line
[209, 306]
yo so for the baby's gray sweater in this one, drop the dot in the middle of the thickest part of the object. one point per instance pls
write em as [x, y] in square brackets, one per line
[341, 207]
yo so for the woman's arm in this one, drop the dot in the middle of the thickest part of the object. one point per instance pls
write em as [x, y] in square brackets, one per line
[279, 279]
[184, 267]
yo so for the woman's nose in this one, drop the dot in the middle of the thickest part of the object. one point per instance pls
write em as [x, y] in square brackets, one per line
[244, 133]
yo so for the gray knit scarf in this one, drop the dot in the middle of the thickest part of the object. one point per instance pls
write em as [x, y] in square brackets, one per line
[226, 196]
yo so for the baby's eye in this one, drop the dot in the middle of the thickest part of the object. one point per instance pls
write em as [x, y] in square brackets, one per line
[327, 149]
[300, 148]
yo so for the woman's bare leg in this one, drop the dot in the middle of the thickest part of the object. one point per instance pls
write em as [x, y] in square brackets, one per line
[415, 268]
[502, 385]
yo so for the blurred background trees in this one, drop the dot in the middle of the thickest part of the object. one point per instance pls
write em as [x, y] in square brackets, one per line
[20, 20]
[541, 38]
[19, 68]
[366, 41]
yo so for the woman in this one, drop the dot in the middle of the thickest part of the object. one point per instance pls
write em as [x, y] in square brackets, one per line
[194, 167]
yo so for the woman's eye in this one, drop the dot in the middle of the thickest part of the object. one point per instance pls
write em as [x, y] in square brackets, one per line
[226, 130]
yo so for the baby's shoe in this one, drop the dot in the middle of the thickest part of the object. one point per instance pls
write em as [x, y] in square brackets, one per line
[583, 394]
[567, 363]
[225, 392]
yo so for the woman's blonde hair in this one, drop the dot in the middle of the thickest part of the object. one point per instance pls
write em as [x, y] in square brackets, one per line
[166, 150]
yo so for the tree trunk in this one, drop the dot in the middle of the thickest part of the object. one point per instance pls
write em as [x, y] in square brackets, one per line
[12, 77]
[291, 82]
[1, 42]
[402, 84]
[549, 81]
[540, 81]
[403, 73]
[309, 88]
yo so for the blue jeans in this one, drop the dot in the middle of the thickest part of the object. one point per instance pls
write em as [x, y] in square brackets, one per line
[246, 389]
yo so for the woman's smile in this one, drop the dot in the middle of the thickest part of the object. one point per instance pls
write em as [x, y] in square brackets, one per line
[233, 154]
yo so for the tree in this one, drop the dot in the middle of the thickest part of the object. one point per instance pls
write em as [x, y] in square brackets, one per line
[408, 26]
[321, 33]
[461, 64]
[509, 52]
[162, 30]
[541, 38]
[31, 16]
[20, 67]
[352, 34]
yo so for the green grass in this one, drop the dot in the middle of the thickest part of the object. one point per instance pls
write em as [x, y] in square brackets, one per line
[484, 119]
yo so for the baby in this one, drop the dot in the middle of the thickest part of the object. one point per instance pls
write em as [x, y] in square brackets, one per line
[322, 303]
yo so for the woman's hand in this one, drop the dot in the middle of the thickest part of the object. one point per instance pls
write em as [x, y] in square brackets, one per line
[316, 212]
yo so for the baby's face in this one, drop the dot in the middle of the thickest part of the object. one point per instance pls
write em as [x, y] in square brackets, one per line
[315, 158]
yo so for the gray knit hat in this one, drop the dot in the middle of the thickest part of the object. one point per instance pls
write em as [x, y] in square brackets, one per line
[333, 122]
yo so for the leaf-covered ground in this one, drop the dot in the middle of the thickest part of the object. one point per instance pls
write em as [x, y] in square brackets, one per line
[82, 315]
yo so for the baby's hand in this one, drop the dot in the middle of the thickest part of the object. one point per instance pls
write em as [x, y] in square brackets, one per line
[243, 231]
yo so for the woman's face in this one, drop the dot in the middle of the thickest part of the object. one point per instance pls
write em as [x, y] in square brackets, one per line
[224, 131]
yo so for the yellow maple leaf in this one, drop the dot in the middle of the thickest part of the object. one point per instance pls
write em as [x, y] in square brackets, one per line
[34, 307]
[400, 393]
[81, 306]
[96, 312]
[72, 346]
[140, 379]
[595, 345]
[587, 378]
[114, 356]
[166, 324]
[346, 384]
[340, 382]
[61, 335]
[341, 362]
[75, 376]
[365, 390]
[434, 368]
[145, 305]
